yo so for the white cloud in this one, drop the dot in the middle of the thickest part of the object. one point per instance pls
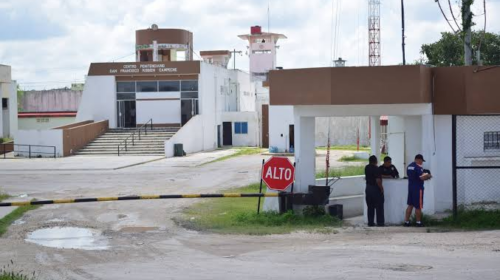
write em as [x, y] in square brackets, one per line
[100, 31]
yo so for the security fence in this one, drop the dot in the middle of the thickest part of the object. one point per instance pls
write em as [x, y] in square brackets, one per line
[476, 162]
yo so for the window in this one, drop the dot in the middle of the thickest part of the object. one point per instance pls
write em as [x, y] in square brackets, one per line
[189, 94]
[170, 86]
[492, 141]
[189, 85]
[262, 51]
[125, 96]
[125, 87]
[147, 86]
[241, 128]
[5, 103]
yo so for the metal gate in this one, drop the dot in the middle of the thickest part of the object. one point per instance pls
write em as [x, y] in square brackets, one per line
[476, 162]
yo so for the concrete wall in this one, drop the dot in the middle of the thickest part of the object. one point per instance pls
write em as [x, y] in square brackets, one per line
[53, 137]
[343, 131]
[190, 136]
[35, 123]
[251, 139]
[442, 165]
[477, 185]
[161, 111]
[50, 100]
[99, 100]
[280, 119]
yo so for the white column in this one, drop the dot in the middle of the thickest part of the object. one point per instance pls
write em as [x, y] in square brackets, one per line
[305, 153]
[375, 140]
[13, 126]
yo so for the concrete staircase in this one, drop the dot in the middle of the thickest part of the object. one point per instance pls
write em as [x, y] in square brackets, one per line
[151, 144]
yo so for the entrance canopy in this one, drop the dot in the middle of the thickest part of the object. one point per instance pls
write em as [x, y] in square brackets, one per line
[410, 95]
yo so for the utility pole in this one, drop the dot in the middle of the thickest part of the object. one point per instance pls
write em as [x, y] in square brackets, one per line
[234, 57]
[467, 24]
[403, 30]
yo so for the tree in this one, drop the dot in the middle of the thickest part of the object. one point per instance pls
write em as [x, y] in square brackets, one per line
[449, 50]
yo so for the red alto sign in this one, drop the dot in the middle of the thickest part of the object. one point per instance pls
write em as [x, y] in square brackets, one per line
[278, 173]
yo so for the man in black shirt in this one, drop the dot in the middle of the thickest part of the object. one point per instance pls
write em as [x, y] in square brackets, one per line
[374, 192]
[388, 170]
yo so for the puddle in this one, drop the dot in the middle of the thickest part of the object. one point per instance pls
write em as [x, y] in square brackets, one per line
[19, 222]
[69, 238]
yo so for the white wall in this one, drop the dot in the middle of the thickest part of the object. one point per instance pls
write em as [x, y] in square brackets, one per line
[98, 100]
[161, 111]
[53, 137]
[280, 119]
[243, 140]
[442, 164]
[33, 123]
[190, 136]
[246, 91]
[13, 126]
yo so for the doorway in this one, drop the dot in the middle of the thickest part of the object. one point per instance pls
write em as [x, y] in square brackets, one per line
[189, 109]
[126, 113]
[219, 144]
[291, 136]
[227, 133]
[265, 126]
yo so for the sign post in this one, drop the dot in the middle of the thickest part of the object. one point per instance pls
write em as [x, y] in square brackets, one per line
[260, 188]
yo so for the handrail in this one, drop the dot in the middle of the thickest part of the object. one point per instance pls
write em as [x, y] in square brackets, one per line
[29, 149]
[124, 142]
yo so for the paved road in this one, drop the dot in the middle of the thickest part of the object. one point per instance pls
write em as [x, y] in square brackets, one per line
[144, 242]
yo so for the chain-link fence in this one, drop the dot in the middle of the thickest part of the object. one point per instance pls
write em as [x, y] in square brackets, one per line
[476, 161]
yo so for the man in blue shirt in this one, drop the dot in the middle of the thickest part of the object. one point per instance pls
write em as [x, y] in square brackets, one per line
[416, 178]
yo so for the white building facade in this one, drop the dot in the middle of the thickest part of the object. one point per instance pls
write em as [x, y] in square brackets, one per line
[8, 95]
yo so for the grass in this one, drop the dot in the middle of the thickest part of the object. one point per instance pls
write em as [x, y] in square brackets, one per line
[6, 221]
[478, 219]
[4, 196]
[346, 148]
[5, 140]
[238, 216]
[6, 273]
[343, 171]
[351, 158]
[244, 151]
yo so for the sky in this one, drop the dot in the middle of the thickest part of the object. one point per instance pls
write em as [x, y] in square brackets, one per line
[51, 43]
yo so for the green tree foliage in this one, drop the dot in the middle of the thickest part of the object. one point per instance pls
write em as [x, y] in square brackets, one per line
[449, 50]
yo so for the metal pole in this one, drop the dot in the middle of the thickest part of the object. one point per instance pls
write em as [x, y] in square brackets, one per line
[29, 151]
[454, 163]
[54, 152]
[260, 188]
[234, 61]
[403, 30]
[4, 153]
[291, 191]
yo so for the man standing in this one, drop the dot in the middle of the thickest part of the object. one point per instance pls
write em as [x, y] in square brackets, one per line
[388, 170]
[416, 178]
[374, 193]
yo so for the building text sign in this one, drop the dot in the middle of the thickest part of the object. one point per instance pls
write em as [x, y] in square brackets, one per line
[142, 69]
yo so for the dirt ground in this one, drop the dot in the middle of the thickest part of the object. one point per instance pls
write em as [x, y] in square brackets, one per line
[144, 242]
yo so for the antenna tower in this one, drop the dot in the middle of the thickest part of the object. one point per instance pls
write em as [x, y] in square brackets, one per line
[374, 32]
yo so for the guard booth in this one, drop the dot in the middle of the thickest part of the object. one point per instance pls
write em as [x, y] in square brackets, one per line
[419, 101]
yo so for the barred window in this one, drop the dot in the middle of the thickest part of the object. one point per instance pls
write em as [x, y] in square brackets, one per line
[492, 141]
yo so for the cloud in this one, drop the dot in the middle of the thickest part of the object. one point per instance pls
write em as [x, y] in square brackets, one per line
[53, 42]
